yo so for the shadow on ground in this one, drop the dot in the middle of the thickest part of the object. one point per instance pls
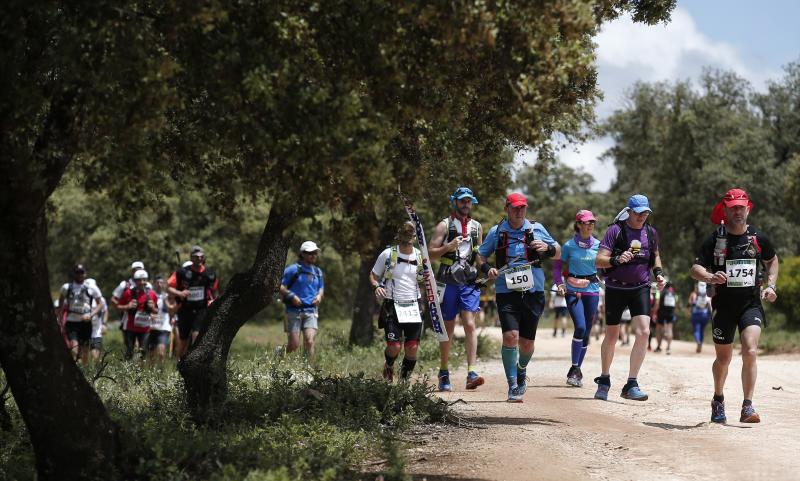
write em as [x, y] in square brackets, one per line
[511, 421]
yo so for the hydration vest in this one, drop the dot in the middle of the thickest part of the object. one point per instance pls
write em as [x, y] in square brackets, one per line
[455, 229]
[749, 250]
[81, 303]
[504, 242]
[393, 259]
[189, 279]
[621, 245]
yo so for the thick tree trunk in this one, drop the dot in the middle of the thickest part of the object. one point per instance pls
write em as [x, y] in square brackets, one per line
[204, 369]
[71, 433]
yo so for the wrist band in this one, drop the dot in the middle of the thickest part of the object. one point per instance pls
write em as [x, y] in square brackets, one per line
[551, 250]
[485, 268]
[614, 261]
[657, 271]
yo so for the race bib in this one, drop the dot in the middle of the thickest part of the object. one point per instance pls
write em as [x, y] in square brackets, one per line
[407, 312]
[519, 278]
[741, 272]
[196, 293]
[141, 319]
[669, 300]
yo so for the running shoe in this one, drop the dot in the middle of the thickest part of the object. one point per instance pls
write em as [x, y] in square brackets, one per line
[634, 393]
[658, 349]
[718, 412]
[444, 381]
[574, 376]
[388, 373]
[669, 351]
[602, 388]
[749, 415]
[473, 380]
[522, 381]
[514, 395]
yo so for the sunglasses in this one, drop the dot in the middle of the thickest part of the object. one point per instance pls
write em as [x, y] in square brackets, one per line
[588, 222]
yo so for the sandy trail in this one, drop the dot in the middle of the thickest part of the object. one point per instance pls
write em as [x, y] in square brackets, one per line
[561, 433]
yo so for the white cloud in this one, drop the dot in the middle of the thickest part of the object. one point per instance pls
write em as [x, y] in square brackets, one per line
[629, 52]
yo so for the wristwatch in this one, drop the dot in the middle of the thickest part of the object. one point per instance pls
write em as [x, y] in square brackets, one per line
[772, 286]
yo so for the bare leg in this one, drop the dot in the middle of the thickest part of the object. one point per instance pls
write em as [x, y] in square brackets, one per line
[471, 336]
[749, 337]
[444, 347]
[293, 342]
[720, 367]
[642, 331]
[608, 347]
[308, 342]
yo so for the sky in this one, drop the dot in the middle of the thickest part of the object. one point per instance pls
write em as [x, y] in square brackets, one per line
[754, 39]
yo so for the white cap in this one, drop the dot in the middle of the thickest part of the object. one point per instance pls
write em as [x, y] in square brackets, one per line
[187, 264]
[140, 274]
[137, 265]
[308, 246]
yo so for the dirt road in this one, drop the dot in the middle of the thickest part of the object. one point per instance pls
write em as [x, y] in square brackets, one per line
[562, 433]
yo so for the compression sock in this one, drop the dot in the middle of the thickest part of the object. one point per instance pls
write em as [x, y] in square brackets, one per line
[406, 367]
[524, 359]
[577, 345]
[389, 359]
[747, 402]
[719, 398]
[509, 355]
[583, 354]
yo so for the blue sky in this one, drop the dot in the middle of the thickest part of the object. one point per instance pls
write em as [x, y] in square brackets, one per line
[754, 39]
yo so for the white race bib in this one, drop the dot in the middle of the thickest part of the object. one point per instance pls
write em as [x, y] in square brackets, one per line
[197, 293]
[407, 312]
[669, 300]
[519, 278]
[741, 272]
[141, 319]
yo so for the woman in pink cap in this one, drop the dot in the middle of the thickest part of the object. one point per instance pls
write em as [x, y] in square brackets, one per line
[582, 287]
[741, 264]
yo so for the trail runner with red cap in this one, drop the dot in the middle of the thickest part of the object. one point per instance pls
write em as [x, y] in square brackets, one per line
[194, 288]
[140, 304]
[582, 288]
[395, 278]
[627, 253]
[741, 265]
[519, 246]
[455, 243]
[302, 289]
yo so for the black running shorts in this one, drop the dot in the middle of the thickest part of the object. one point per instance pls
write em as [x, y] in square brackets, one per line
[520, 312]
[730, 314]
[637, 300]
[190, 320]
[393, 330]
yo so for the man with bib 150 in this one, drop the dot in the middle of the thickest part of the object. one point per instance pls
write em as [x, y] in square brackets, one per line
[519, 246]
[741, 264]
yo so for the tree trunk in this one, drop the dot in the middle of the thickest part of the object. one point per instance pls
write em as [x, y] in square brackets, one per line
[364, 306]
[204, 369]
[71, 433]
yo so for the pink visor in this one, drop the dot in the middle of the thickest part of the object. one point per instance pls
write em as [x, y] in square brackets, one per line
[584, 216]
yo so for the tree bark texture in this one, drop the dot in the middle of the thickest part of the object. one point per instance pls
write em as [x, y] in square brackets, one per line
[204, 369]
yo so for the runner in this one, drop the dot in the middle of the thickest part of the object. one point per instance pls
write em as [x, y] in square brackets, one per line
[395, 277]
[738, 260]
[627, 253]
[655, 298]
[582, 288]
[194, 288]
[666, 316]
[99, 323]
[458, 237]
[75, 303]
[140, 304]
[700, 312]
[117, 292]
[302, 288]
[558, 304]
[598, 325]
[163, 323]
[519, 246]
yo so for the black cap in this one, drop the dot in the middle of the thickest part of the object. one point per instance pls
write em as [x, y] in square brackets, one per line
[79, 268]
[197, 251]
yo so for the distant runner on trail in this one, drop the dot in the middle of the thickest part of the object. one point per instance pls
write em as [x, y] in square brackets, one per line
[117, 292]
[741, 264]
[666, 316]
[302, 289]
[140, 304]
[395, 278]
[558, 304]
[455, 244]
[700, 312]
[194, 288]
[582, 288]
[75, 305]
[519, 246]
[99, 323]
[627, 253]
[162, 323]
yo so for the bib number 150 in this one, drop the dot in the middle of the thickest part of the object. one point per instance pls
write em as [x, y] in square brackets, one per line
[519, 279]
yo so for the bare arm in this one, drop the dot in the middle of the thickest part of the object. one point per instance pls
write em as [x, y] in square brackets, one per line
[436, 247]
[380, 291]
[772, 277]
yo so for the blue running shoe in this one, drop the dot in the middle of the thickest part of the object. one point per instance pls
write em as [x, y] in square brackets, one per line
[602, 389]
[522, 381]
[473, 380]
[513, 394]
[634, 393]
[444, 381]
[718, 412]
[749, 415]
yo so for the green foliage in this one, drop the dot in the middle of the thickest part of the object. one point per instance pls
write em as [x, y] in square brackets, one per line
[789, 290]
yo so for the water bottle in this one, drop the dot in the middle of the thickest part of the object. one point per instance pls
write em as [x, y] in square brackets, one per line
[721, 247]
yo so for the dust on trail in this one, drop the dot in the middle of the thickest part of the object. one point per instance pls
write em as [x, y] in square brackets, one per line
[561, 433]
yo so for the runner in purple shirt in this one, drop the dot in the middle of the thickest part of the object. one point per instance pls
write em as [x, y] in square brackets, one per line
[627, 253]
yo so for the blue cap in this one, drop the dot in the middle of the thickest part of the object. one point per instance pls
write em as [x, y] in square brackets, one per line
[463, 193]
[639, 203]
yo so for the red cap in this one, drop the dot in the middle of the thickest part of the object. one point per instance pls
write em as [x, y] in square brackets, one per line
[515, 199]
[584, 216]
[731, 198]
